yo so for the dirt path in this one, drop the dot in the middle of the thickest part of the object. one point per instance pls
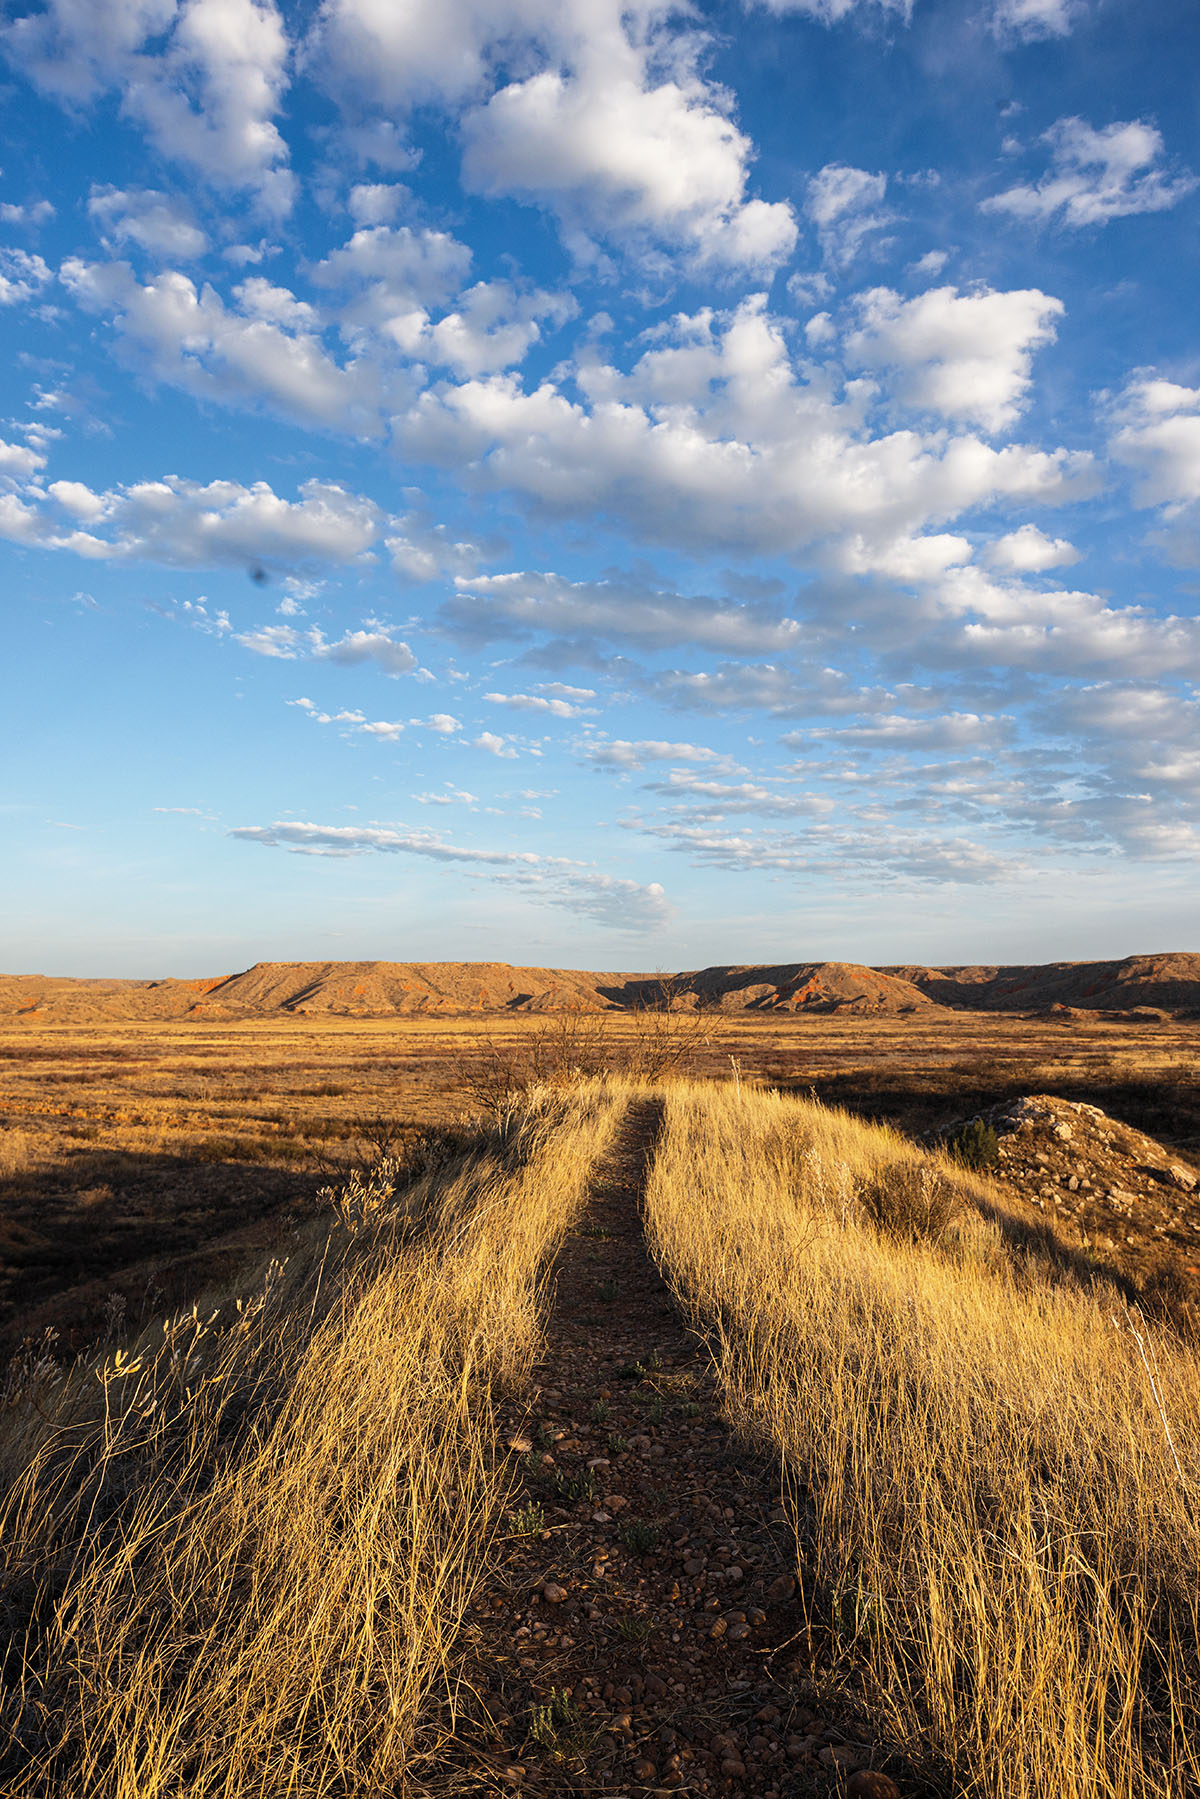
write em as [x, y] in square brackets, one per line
[642, 1631]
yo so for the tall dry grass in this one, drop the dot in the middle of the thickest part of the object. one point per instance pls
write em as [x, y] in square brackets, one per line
[244, 1549]
[998, 1534]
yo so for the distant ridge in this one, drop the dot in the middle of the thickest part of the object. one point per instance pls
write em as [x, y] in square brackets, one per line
[1168, 983]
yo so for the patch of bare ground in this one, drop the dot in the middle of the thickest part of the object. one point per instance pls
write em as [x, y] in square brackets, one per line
[641, 1629]
[1103, 1187]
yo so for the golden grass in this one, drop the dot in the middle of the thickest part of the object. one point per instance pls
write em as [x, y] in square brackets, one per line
[1002, 1544]
[245, 1545]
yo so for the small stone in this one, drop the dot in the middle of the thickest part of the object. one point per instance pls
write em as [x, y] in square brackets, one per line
[552, 1593]
[655, 1686]
[737, 1632]
[693, 1566]
[719, 1628]
[722, 1744]
[513, 1775]
[732, 1769]
[521, 1444]
[644, 1770]
[839, 1755]
[868, 1784]
[781, 1589]
[1181, 1177]
[767, 1715]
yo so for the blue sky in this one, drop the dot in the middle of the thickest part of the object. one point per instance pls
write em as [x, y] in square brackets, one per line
[622, 487]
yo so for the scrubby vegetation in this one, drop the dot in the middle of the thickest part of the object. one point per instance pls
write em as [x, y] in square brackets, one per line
[991, 1467]
[239, 1544]
[238, 1551]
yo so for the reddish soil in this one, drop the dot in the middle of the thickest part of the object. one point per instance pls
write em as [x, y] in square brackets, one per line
[647, 1608]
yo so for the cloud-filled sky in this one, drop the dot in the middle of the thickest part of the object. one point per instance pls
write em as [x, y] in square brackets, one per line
[618, 485]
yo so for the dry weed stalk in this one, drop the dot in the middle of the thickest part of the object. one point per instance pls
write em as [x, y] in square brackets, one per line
[988, 1519]
[243, 1569]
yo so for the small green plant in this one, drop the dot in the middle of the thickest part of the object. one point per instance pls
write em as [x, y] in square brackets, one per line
[594, 1230]
[691, 1409]
[616, 1444]
[639, 1536]
[607, 1291]
[600, 1410]
[574, 1487]
[632, 1371]
[528, 1520]
[552, 1725]
[634, 1630]
[975, 1145]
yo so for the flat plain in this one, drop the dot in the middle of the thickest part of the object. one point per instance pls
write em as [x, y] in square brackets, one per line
[141, 1161]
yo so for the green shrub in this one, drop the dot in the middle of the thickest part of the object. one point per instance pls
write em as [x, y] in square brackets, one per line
[975, 1145]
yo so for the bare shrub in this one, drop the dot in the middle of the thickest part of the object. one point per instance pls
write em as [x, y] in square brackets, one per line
[911, 1200]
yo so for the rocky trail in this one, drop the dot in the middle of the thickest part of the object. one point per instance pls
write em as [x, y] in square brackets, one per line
[642, 1630]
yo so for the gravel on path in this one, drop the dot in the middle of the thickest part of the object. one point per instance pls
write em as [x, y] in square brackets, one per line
[641, 1626]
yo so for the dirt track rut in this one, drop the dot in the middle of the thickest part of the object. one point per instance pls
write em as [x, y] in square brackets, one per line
[641, 1630]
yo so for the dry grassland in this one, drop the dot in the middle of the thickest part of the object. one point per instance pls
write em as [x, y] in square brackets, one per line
[140, 1162]
[237, 1552]
[238, 1543]
[992, 1468]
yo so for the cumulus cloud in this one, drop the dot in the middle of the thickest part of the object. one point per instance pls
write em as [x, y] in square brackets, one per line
[1096, 175]
[494, 745]
[391, 272]
[160, 223]
[188, 336]
[205, 78]
[846, 206]
[374, 643]
[716, 439]
[1158, 435]
[966, 356]
[22, 276]
[192, 524]
[19, 461]
[1028, 551]
[602, 118]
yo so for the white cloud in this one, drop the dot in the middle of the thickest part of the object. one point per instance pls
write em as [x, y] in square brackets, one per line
[621, 753]
[204, 77]
[377, 202]
[609, 899]
[603, 117]
[1097, 175]
[158, 222]
[830, 12]
[1029, 20]
[191, 524]
[188, 336]
[36, 213]
[535, 702]
[1158, 435]
[19, 461]
[22, 276]
[967, 356]
[492, 326]
[374, 643]
[1028, 551]
[494, 745]
[616, 609]
[845, 204]
[613, 153]
[392, 272]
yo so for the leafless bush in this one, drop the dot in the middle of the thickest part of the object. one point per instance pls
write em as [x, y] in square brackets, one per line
[911, 1200]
